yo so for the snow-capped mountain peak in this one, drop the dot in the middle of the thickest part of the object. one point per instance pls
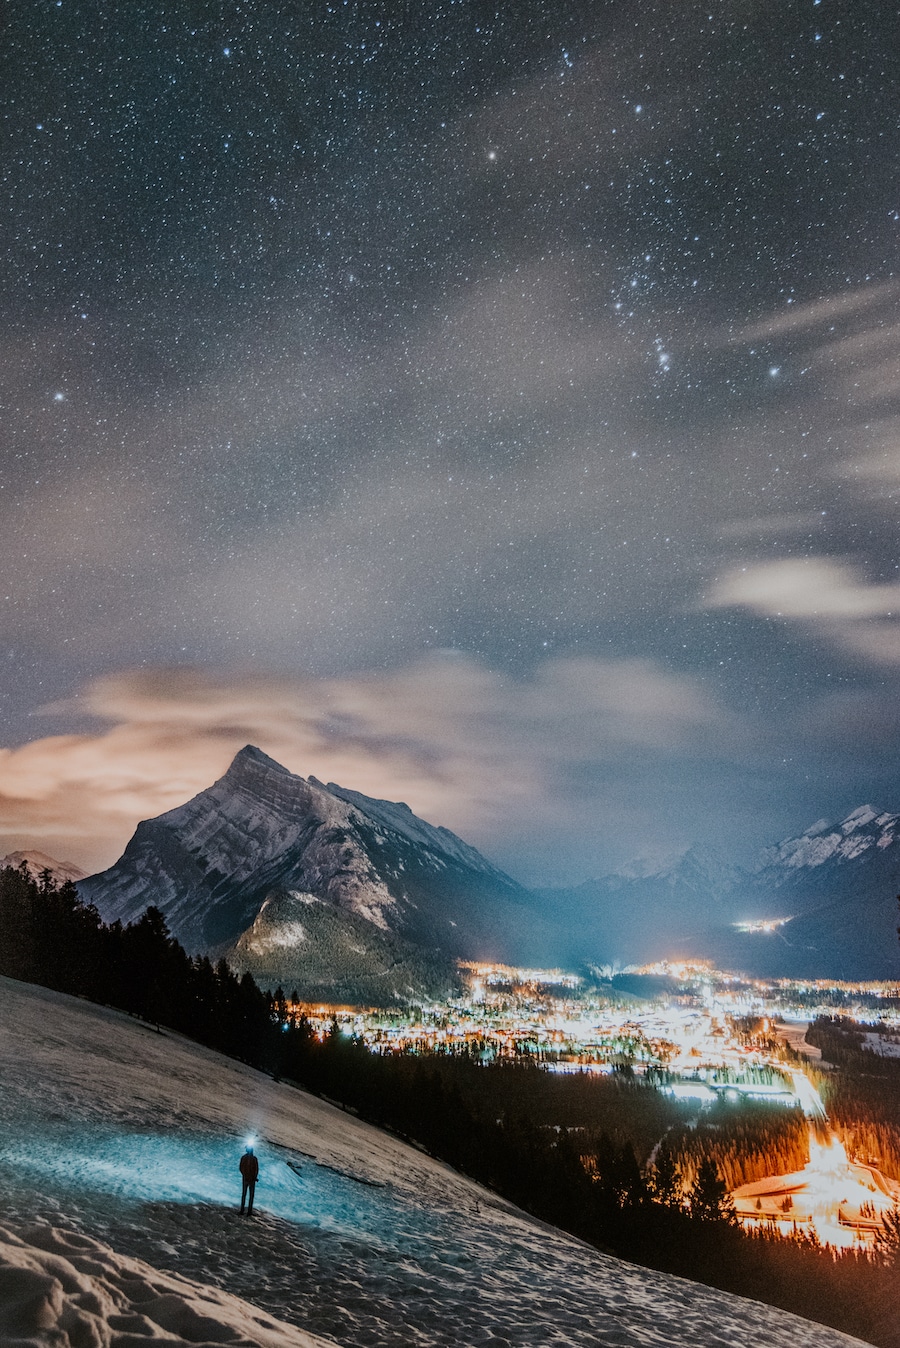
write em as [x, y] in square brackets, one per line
[261, 831]
[38, 862]
[864, 828]
[860, 817]
[398, 817]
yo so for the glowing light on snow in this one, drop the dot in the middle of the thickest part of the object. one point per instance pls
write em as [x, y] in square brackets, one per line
[765, 925]
[841, 1200]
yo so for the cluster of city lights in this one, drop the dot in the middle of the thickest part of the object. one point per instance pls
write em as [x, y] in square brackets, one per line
[688, 1041]
[762, 925]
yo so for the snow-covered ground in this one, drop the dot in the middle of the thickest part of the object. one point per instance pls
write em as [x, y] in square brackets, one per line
[133, 1138]
[793, 1032]
[885, 1045]
[63, 1288]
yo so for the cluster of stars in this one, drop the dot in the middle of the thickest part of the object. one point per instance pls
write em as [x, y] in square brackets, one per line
[352, 335]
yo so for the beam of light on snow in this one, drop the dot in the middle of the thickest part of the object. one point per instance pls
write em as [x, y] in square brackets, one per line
[139, 1168]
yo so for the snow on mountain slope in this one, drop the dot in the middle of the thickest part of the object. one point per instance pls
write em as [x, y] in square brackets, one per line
[39, 861]
[63, 1289]
[836, 883]
[133, 1138]
[865, 830]
[261, 832]
[297, 940]
[398, 817]
[204, 862]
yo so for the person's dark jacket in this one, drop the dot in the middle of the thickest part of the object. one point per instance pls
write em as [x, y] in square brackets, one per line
[249, 1167]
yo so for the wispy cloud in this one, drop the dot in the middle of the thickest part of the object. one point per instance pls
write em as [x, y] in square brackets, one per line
[848, 343]
[829, 596]
[465, 745]
[820, 314]
[875, 466]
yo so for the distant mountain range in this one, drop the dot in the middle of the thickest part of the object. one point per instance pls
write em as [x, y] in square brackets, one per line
[837, 885]
[350, 898]
[640, 914]
[316, 886]
[38, 862]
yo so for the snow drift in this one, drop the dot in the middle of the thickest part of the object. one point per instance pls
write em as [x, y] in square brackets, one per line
[65, 1289]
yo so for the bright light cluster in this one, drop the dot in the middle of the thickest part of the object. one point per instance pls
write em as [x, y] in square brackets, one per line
[762, 925]
[688, 1040]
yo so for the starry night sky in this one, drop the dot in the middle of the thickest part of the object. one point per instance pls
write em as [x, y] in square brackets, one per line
[493, 406]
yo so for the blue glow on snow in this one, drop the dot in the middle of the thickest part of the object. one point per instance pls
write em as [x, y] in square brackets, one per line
[199, 1169]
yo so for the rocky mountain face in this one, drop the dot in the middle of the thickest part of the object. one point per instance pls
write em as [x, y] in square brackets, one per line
[828, 854]
[356, 899]
[838, 883]
[302, 942]
[315, 885]
[38, 862]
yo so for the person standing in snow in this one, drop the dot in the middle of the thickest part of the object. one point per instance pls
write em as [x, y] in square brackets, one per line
[249, 1168]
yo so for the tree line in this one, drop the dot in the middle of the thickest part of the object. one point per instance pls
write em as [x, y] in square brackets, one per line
[48, 936]
[747, 1141]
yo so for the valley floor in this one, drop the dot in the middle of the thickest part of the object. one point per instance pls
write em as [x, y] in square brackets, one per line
[133, 1138]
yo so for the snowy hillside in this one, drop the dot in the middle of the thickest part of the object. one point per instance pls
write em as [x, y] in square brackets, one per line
[133, 1138]
[60, 1288]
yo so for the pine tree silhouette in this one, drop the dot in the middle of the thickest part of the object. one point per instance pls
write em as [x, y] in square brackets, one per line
[710, 1200]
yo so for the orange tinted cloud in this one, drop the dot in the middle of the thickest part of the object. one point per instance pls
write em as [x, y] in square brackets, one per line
[464, 745]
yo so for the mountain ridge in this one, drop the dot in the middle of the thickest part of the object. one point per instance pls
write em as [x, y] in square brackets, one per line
[833, 885]
[295, 880]
[261, 834]
[38, 861]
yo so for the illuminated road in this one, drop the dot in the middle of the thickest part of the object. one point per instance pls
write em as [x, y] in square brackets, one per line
[809, 1097]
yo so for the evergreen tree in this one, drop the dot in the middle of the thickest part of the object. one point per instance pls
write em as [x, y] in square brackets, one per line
[18, 897]
[709, 1199]
[665, 1179]
[279, 1006]
[887, 1242]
